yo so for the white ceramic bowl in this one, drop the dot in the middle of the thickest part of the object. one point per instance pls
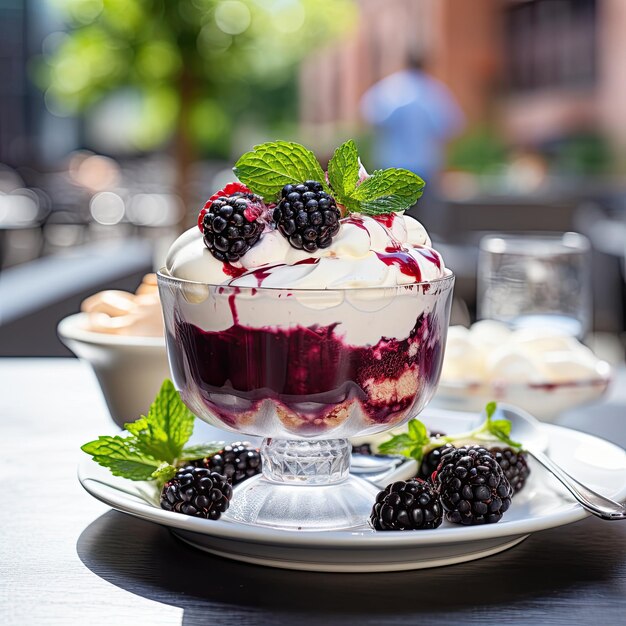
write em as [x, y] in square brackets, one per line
[543, 400]
[130, 370]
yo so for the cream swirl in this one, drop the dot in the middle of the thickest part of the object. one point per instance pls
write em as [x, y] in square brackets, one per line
[382, 251]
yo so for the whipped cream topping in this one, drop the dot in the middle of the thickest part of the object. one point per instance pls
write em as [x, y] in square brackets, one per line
[381, 251]
[122, 313]
[489, 352]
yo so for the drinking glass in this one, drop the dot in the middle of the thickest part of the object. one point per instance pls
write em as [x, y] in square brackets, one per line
[536, 280]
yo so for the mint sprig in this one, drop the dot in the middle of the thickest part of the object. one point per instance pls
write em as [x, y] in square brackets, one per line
[411, 444]
[155, 444]
[201, 451]
[167, 427]
[121, 456]
[416, 442]
[343, 172]
[268, 167]
[500, 429]
[385, 191]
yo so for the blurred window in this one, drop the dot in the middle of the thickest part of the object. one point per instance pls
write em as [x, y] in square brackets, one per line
[550, 43]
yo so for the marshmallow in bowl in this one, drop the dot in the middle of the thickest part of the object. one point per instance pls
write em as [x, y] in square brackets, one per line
[122, 313]
[489, 352]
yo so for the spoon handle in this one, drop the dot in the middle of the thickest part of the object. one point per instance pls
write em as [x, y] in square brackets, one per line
[592, 501]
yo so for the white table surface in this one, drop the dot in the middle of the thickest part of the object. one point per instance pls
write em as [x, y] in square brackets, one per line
[67, 559]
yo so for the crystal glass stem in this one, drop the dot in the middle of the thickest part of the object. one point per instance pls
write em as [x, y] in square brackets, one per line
[305, 485]
[306, 462]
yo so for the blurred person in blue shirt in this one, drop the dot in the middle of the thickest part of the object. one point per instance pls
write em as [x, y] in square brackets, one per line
[413, 116]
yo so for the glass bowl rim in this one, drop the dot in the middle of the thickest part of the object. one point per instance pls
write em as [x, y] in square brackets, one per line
[448, 279]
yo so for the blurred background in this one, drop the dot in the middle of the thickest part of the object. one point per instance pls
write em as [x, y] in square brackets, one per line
[118, 118]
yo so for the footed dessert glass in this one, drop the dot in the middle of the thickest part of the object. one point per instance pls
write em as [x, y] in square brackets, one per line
[305, 369]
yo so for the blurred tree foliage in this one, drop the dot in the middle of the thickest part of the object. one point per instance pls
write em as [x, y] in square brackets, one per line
[197, 65]
[481, 150]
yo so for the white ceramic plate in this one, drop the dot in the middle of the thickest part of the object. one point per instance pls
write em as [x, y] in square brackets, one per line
[542, 504]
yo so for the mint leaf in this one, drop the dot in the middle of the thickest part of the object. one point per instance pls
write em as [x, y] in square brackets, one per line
[136, 427]
[411, 444]
[201, 451]
[398, 444]
[343, 171]
[169, 412]
[418, 432]
[268, 167]
[167, 427]
[501, 429]
[163, 473]
[121, 456]
[389, 190]
[503, 426]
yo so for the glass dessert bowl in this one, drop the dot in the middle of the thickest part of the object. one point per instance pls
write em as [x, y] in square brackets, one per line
[305, 369]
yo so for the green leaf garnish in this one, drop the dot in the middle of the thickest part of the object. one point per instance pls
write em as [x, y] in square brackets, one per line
[268, 167]
[386, 191]
[490, 409]
[409, 444]
[167, 427]
[164, 472]
[501, 429]
[155, 444]
[201, 451]
[398, 444]
[122, 457]
[416, 442]
[343, 171]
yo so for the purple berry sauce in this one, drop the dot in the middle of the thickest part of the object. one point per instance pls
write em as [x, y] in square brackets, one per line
[311, 374]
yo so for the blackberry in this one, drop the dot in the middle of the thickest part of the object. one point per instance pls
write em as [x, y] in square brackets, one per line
[410, 505]
[238, 461]
[198, 492]
[231, 225]
[307, 216]
[362, 448]
[514, 465]
[431, 461]
[472, 485]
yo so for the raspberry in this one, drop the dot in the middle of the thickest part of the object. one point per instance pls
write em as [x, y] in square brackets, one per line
[307, 216]
[229, 190]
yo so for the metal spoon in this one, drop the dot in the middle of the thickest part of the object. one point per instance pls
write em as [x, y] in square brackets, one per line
[527, 430]
[381, 470]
